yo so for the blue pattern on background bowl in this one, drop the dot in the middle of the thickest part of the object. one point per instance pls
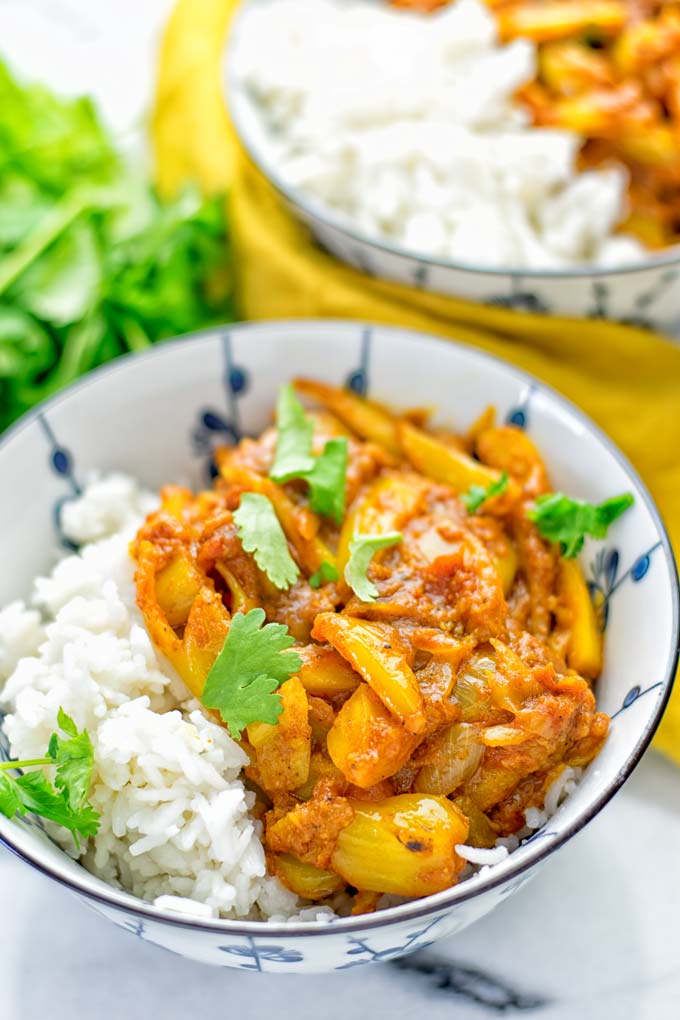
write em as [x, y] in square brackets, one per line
[160, 415]
[645, 294]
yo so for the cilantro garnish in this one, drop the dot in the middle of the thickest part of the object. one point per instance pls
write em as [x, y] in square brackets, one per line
[478, 494]
[362, 548]
[325, 474]
[65, 801]
[253, 662]
[261, 534]
[326, 480]
[294, 436]
[326, 572]
[568, 521]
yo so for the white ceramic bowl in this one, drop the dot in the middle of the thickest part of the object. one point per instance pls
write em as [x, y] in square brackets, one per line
[645, 294]
[158, 416]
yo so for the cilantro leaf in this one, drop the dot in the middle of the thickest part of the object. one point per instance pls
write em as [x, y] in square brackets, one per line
[37, 795]
[10, 801]
[254, 702]
[326, 572]
[568, 521]
[74, 759]
[325, 474]
[253, 662]
[327, 480]
[295, 433]
[65, 802]
[62, 285]
[251, 650]
[67, 725]
[362, 548]
[262, 535]
[477, 494]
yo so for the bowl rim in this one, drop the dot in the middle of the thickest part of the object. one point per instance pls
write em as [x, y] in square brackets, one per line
[237, 99]
[448, 898]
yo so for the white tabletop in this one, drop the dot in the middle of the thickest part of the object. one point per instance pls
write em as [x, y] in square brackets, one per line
[596, 936]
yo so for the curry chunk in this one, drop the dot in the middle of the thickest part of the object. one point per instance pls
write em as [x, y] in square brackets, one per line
[366, 742]
[283, 751]
[404, 845]
[375, 653]
[310, 831]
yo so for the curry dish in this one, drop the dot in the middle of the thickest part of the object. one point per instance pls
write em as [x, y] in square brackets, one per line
[432, 709]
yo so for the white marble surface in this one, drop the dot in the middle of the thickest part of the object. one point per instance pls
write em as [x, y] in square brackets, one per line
[596, 936]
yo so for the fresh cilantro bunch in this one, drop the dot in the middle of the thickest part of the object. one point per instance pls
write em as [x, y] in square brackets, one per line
[92, 262]
[568, 521]
[65, 800]
[252, 664]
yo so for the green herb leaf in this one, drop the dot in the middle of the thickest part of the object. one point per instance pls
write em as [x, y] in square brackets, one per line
[65, 802]
[67, 726]
[477, 494]
[21, 209]
[253, 662]
[74, 759]
[53, 141]
[327, 480]
[37, 795]
[262, 535]
[295, 433]
[568, 521]
[10, 801]
[62, 285]
[362, 548]
[25, 347]
[326, 572]
[325, 474]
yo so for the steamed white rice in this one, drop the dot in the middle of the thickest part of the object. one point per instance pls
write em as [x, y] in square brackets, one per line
[175, 824]
[406, 127]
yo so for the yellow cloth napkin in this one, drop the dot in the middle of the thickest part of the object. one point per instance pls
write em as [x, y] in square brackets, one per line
[628, 380]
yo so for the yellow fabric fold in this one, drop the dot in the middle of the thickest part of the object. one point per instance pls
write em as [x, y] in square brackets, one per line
[626, 379]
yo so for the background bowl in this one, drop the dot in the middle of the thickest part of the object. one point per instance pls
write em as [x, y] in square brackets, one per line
[159, 415]
[645, 294]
